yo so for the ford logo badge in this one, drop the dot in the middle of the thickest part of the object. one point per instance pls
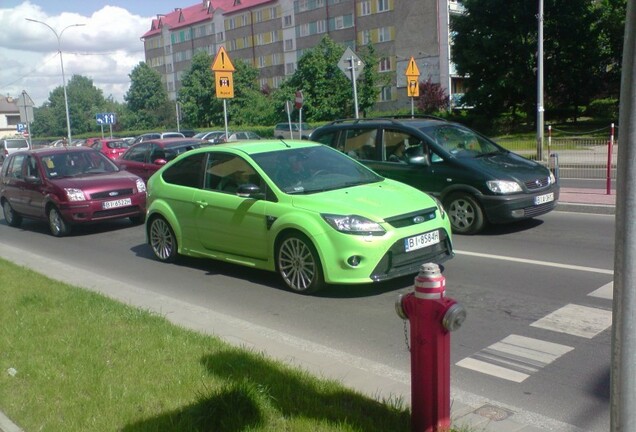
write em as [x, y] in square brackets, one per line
[419, 219]
[114, 193]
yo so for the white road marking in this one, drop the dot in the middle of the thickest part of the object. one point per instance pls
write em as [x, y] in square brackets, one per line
[576, 320]
[605, 292]
[535, 262]
[514, 358]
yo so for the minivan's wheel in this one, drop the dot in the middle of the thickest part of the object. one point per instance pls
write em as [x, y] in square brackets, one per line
[299, 265]
[465, 213]
[58, 226]
[162, 240]
[12, 218]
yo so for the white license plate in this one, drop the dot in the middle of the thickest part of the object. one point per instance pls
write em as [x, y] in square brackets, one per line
[420, 241]
[116, 203]
[542, 199]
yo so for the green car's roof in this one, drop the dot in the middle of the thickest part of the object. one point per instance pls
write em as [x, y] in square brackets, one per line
[262, 146]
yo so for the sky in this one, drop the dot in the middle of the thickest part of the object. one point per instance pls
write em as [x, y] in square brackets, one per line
[105, 49]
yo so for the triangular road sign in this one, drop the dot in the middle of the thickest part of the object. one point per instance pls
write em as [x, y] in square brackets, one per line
[412, 69]
[222, 62]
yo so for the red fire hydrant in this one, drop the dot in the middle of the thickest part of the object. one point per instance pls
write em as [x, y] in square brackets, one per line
[432, 316]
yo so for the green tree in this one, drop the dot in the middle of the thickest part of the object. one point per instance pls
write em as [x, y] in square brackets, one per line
[199, 105]
[147, 99]
[84, 101]
[496, 52]
[611, 25]
[327, 93]
[250, 105]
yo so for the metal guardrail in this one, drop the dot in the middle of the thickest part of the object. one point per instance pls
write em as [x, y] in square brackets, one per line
[578, 158]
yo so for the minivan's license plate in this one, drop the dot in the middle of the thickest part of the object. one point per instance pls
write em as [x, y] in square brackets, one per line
[116, 203]
[542, 199]
[421, 241]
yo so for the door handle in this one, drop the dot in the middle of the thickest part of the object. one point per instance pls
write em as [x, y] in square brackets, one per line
[202, 204]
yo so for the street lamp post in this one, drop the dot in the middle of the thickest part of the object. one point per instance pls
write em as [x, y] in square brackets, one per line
[59, 50]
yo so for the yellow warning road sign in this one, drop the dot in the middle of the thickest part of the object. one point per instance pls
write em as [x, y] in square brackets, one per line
[224, 84]
[412, 69]
[413, 88]
[222, 62]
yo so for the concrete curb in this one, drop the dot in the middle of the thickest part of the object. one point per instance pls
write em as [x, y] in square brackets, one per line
[586, 208]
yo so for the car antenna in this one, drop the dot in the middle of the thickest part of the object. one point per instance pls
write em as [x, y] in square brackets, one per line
[284, 142]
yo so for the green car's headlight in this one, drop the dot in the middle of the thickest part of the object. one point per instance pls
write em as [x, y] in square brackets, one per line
[440, 207]
[352, 224]
[503, 187]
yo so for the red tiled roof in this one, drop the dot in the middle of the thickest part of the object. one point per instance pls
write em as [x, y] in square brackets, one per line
[183, 17]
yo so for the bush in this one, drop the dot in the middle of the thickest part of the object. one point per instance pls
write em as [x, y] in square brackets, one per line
[606, 109]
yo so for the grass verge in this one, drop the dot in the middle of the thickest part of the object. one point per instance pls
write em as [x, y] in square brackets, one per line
[72, 360]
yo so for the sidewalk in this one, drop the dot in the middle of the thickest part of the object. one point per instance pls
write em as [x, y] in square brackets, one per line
[472, 412]
[587, 200]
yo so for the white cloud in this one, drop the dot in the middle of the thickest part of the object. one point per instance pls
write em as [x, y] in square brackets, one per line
[105, 49]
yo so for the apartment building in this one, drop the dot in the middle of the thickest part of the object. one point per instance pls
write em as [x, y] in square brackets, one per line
[9, 116]
[274, 34]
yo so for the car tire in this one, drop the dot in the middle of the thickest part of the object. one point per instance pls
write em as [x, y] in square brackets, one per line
[298, 264]
[13, 219]
[58, 226]
[465, 213]
[162, 240]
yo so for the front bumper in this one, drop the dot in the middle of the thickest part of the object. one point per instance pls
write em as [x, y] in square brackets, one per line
[510, 208]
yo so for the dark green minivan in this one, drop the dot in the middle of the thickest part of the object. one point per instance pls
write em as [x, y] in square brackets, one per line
[477, 181]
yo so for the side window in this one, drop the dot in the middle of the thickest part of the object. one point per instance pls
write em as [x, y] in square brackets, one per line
[327, 139]
[137, 153]
[32, 167]
[15, 167]
[360, 144]
[400, 146]
[186, 172]
[156, 152]
[226, 172]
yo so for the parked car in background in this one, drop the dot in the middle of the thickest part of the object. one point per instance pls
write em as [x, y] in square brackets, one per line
[300, 208]
[239, 136]
[12, 145]
[68, 186]
[113, 148]
[477, 180]
[188, 133]
[293, 130]
[59, 143]
[211, 136]
[157, 135]
[144, 158]
[90, 141]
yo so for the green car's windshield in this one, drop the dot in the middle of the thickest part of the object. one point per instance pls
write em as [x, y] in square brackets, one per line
[461, 142]
[313, 169]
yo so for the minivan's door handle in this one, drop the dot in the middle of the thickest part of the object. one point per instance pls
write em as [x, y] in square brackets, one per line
[202, 204]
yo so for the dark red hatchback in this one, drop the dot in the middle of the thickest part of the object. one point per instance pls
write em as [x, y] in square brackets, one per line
[68, 186]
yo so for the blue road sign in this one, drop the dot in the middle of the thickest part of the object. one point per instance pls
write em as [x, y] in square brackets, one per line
[106, 118]
[21, 127]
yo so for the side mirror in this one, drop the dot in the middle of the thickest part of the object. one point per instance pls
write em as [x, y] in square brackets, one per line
[418, 160]
[160, 162]
[249, 190]
[32, 179]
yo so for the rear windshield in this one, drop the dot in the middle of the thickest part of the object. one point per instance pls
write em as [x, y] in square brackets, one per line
[17, 143]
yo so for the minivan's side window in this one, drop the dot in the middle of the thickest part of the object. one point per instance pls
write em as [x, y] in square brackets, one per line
[398, 146]
[15, 167]
[360, 144]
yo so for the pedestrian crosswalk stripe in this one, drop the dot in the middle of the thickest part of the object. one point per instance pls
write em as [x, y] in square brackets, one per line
[514, 358]
[576, 320]
[606, 291]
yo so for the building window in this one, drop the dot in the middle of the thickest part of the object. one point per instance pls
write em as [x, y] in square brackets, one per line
[261, 61]
[365, 8]
[219, 37]
[287, 21]
[290, 68]
[383, 5]
[384, 34]
[321, 26]
[385, 64]
[289, 45]
[273, 12]
[366, 37]
[258, 16]
[385, 94]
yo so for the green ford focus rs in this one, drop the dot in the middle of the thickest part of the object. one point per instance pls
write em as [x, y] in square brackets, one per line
[302, 209]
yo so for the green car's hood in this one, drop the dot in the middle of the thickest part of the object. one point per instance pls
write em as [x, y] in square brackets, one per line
[376, 200]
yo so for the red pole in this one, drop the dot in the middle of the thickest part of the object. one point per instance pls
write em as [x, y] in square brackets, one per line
[610, 145]
[432, 316]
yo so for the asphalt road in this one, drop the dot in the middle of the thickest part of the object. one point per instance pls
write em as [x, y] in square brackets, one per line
[526, 287]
